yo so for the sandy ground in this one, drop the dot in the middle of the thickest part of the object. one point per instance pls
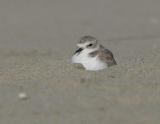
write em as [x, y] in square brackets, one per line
[37, 39]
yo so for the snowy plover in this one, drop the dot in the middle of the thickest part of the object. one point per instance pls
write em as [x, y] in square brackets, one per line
[92, 55]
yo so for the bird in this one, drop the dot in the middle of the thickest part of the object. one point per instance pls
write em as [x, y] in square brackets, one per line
[92, 55]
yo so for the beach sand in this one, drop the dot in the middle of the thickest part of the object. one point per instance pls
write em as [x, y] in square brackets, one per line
[38, 83]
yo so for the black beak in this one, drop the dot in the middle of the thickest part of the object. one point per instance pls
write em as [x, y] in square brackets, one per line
[78, 50]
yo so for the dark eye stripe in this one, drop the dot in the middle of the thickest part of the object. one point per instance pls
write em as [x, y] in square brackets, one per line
[90, 45]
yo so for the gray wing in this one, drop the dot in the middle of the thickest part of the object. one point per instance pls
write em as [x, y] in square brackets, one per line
[107, 56]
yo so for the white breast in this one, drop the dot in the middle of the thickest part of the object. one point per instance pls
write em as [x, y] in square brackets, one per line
[90, 63]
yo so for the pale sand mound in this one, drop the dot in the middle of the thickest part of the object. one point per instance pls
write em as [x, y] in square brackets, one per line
[59, 93]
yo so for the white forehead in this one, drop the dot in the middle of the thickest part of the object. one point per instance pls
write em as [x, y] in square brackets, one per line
[82, 44]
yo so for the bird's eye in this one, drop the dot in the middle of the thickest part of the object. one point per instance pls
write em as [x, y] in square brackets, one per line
[90, 45]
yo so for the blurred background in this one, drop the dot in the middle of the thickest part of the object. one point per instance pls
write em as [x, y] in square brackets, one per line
[57, 24]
